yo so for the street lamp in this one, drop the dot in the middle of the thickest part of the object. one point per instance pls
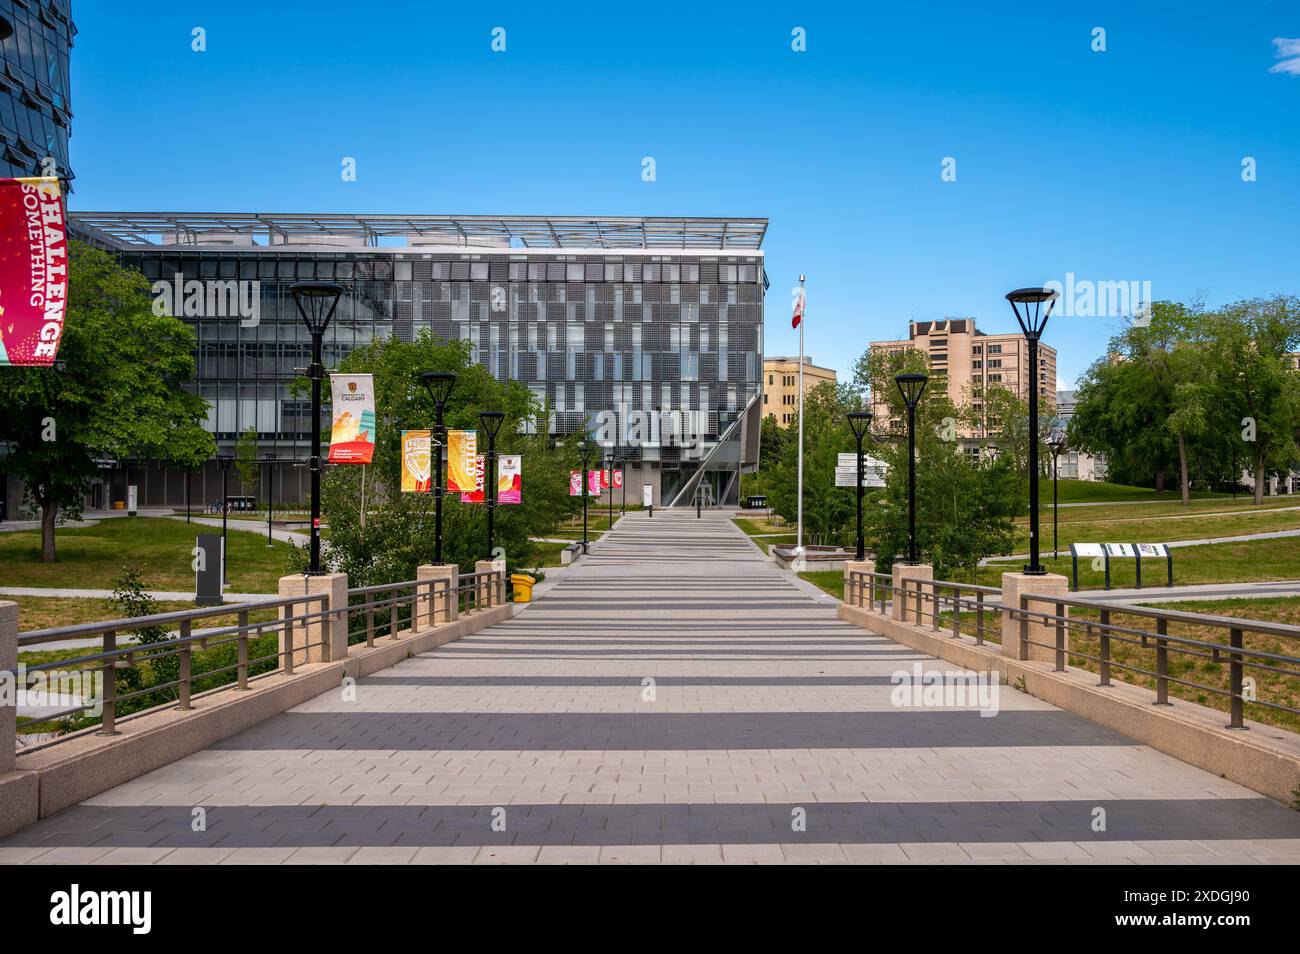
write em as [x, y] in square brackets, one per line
[1058, 445]
[491, 421]
[269, 460]
[1033, 306]
[584, 451]
[225, 461]
[621, 464]
[439, 385]
[316, 302]
[609, 465]
[859, 421]
[911, 386]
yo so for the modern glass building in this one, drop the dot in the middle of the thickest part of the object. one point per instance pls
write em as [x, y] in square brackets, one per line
[35, 111]
[649, 330]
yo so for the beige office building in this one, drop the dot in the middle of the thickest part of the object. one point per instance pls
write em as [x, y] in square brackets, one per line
[781, 386]
[968, 361]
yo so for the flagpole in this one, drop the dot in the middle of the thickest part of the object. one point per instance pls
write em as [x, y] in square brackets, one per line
[803, 307]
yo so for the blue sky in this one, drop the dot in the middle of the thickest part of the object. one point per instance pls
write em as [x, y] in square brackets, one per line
[1123, 165]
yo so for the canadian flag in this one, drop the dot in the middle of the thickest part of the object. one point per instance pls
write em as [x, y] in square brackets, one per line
[798, 309]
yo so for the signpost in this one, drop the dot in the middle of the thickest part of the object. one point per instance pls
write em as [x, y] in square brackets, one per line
[1136, 551]
[846, 471]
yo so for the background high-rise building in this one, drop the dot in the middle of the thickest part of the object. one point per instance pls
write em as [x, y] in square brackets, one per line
[661, 317]
[781, 386]
[35, 109]
[967, 362]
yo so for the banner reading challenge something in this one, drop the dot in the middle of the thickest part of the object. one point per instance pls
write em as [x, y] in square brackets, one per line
[33, 271]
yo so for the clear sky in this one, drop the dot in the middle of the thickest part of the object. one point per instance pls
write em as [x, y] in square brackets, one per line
[1122, 165]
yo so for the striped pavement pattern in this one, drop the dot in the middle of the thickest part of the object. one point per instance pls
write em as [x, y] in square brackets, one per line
[674, 698]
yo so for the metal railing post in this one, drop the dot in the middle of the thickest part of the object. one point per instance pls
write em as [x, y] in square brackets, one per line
[1162, 663]
[1060, 637]
[186, 668]
[1103, 632]
[1235, 682]
[1024, 627]
[956, 612]
[109, 675]
[979, 618]
[243, 650]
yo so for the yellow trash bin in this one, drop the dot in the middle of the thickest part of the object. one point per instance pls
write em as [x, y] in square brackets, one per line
[522, 584]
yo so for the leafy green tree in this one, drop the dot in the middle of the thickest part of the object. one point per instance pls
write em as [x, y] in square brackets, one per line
[398, 533]
[246, 458]
[965, 502]
[1255, 380]
[121, 391]
[827, 509]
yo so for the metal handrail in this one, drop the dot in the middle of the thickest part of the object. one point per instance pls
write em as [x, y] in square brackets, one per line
[927, 601]
[405, 601]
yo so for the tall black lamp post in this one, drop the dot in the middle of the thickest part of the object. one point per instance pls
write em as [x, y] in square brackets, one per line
[439, 385]
[1033, 306]
[859, 421]
[316, 302]
[491, 421]
[911, 386]
[1058, 445]
[621, 464]
[609, 465]
[225, 460]
[269, 461]
[584, 451]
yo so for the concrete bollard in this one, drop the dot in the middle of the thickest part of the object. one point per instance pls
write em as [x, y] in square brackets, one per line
[447, 601]
[905, 604]
[856, 592]
[328, 635]
[1016, 585]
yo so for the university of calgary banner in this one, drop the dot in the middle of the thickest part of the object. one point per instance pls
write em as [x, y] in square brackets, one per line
[417, 462]
[462, 462]
[352, 437]
[509, 478]
[33, 271]
[618, 479]
[480, 474]
[604, 479]
[575, 483]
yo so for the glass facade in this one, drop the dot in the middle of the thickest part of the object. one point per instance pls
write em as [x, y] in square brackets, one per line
[670, 342]
[35, 110]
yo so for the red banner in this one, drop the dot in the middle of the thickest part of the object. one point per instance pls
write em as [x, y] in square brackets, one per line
[33, 271]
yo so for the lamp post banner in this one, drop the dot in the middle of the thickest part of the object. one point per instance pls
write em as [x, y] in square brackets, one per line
[575, 483]
[593, 483]
[480, 475]
[417, 462]
[352, 434]
[33, 271]
[510, 478]
[462, 466]
[618, 479]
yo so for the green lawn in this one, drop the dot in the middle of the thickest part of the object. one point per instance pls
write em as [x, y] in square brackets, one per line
[832, 581]
[1253, 561]
[159, 547]
[1090, 491]
[1151, 528]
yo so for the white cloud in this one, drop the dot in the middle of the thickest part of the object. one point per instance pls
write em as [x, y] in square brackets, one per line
[1288, 54]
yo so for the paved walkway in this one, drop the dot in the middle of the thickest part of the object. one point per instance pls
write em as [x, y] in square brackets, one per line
[674, 697]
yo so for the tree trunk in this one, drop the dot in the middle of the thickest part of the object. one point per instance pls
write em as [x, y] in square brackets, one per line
[1160, 480]
[49, 510]
[1182, 470]
[1259, 481]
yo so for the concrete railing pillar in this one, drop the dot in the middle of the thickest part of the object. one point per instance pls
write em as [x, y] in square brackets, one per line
[486, 592]
[905, 604]
[324, 639]
[447, 602]
[1042, 632]
[856, 592]
[9, 669]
